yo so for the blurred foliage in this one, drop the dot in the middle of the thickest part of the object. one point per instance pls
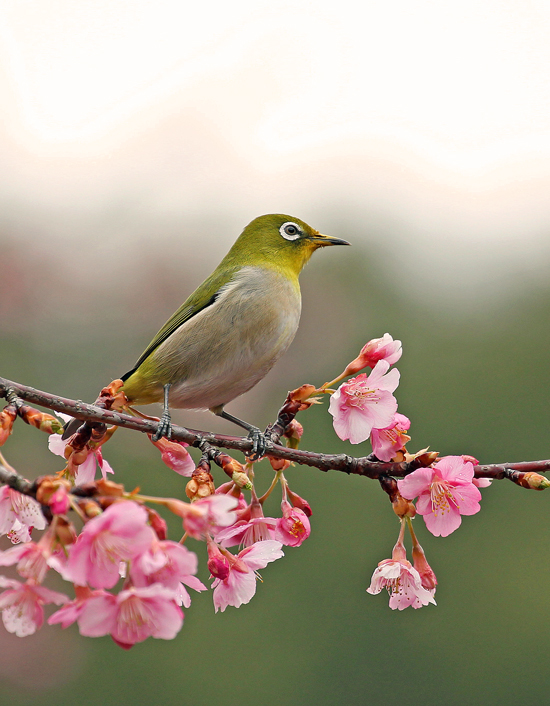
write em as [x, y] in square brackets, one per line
[475, 379]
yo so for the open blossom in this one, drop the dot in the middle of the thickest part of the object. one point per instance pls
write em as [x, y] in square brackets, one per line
[384, 348]
[171, 565]
[175, 455]
[131, 616]
[31, 559]
[120, 533]
[86, 471]
[240, 584]
[18, 515]
[21, 605]
[386, 443]
[402, 582]
[205, 515]
[445, 492]
[251, 527]
[365, 402]
[293, 527]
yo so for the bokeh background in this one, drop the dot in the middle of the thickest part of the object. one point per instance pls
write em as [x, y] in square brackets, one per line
[136, 141]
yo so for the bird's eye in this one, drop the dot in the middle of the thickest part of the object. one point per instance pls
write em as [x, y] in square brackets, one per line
[290, 231]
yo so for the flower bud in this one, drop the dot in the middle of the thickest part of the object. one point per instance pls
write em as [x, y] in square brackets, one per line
[7, 418]
[403, 507]
[427, 576]
[201, 484]
[40, 420]
[109, 489]
[384, 348]
[278, 464]
[241, 480]
[293, 432]
[300, 503]
[528, 479]
[90, 508]
[158, 523]
[65, 531]
[218, 564]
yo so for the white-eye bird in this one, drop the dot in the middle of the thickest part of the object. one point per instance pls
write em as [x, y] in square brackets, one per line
[230, 332]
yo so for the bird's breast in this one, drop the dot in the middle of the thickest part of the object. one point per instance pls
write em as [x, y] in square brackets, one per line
[232, 344]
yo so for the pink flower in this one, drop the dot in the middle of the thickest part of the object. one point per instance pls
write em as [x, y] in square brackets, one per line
[252, 527]
[388, 441]
[171, 565]
[384, 348]
[71, 611]
[365, 402]
[402, 582]
[21, 605]
[206, 515]
[120, 533]
[425, 571]
[132, 616]
[18, 515]
[31, 559]
[293, 527]
[445, 492]
[175, 455]
[86, 471]
[240, 585]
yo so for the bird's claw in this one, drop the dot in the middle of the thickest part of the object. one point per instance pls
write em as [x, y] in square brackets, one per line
[164, 428]
[259, 444]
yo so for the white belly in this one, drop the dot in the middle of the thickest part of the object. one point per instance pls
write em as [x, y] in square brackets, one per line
[232, 344]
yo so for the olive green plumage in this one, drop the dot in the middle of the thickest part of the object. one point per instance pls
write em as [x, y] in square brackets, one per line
[229, 333]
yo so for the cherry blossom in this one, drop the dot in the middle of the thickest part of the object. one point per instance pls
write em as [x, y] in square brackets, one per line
[387, 442]
[240, 585]
[132, 616]
[175, 455]
[21, 605]
[206, 515]
[365, 402]
[402, 582]
[293, 527]
[31, 559]
[86, 471]
[18, 515]
[384, 348]
[171, 565]
[119, 534]
[445, 492]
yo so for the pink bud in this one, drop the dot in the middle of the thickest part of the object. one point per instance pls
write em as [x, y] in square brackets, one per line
[218, 564]
[299, 502]
[427, 576]
[384, 348]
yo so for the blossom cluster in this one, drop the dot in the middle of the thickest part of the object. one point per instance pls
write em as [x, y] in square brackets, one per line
[130, 581]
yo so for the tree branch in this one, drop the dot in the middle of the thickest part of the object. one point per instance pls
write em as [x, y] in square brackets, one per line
[362, 466]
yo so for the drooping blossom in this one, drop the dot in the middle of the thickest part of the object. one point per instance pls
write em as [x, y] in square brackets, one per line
[31, 559]
[21, 605]
[387, 442]
[402, 582]
[171, 565]
[86, 471]
[384, 348]
[205, 515]
[71, 611]
[299, 502]
[445, 492]
[251, 527]
[18, 515]
[365, 402]
[293, 527]
[131, 616]
[240, 585]
[119, 534]
[175, 455]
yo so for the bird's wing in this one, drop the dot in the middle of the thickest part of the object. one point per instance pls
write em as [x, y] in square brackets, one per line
[201, 298]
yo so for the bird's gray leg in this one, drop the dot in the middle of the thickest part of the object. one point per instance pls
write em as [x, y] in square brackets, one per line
[165, 424]
[259, 441]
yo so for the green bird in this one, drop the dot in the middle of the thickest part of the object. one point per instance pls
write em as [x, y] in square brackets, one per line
[234, 327]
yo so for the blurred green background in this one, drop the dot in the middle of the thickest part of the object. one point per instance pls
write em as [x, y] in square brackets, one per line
[137, 139]
[474, 380]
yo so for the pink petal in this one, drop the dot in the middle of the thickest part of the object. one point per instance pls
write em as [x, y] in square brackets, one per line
[415, 483]
[98, 616]
[443, 524]
[259, 555]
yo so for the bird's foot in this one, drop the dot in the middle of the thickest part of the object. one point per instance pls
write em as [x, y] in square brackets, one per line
[259, 444]
[164, 428]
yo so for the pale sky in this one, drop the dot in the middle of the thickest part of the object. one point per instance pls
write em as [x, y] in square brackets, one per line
[437, 111]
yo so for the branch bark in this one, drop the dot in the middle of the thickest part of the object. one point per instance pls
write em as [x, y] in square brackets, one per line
[362, 466]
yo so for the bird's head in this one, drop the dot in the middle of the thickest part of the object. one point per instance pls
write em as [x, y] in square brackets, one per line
[280, 241]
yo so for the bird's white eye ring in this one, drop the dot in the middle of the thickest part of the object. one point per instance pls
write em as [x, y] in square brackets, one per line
[290, 231]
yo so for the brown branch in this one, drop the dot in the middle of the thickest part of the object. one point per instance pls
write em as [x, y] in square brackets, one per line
[363, 466]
